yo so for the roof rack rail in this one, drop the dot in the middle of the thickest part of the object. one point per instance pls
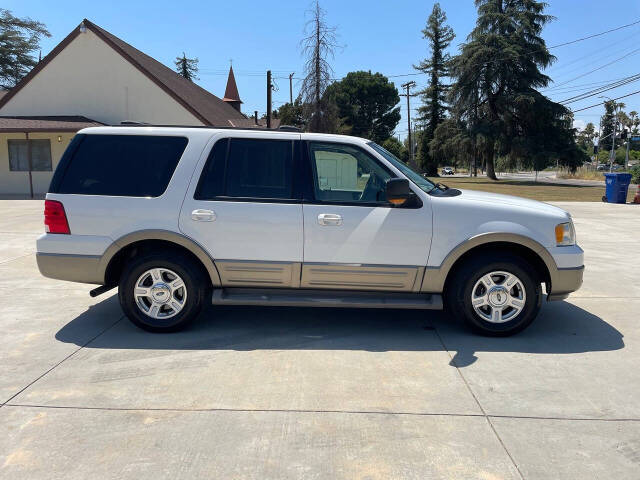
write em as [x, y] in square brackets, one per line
[130, 123]
[282, 128]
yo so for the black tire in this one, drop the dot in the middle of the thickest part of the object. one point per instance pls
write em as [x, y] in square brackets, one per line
[195, 283]
[459, 292]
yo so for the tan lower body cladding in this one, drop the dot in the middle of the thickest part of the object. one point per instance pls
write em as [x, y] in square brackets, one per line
[234, 273]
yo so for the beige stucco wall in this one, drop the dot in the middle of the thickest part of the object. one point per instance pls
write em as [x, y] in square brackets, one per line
[17, 183]
[89, 78]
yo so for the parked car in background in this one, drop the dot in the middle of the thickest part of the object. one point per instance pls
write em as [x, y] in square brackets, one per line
[178, 217]
[447, 171]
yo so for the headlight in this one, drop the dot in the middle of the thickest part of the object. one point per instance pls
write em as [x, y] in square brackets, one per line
[565, 234]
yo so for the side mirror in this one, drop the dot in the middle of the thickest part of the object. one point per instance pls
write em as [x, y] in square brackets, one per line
[397, 191]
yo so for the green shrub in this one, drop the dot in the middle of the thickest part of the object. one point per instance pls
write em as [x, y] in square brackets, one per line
[635, 174]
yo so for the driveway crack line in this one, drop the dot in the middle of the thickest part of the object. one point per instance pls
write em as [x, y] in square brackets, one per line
[61, 361]
[299, 410]
[484, 413]
[16, 258]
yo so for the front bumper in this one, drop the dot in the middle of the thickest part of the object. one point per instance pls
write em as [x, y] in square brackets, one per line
[566, 275]
[564, 281]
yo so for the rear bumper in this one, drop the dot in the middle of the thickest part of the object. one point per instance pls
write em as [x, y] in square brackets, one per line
[565, 281]
[57, 257]
[73, 268]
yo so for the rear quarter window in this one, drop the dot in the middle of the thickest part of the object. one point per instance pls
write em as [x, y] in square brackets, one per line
[118, 165]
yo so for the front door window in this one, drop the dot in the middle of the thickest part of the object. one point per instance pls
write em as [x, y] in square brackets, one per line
[346, 174]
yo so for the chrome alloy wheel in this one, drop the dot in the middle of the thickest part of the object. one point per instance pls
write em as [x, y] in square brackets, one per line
[498, 297]
[160, 293]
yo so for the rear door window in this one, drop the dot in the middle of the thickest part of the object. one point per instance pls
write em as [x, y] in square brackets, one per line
[248, 169]
[119, 165]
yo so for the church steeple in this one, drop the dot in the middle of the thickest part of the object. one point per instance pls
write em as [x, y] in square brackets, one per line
[231, 95]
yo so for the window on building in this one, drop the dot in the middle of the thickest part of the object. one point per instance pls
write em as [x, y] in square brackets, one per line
[40, 155]
[121, 165]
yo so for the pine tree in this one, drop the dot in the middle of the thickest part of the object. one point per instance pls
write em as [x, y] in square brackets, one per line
[187, 67]
[432, 112]
[19, 40]
[498, 73]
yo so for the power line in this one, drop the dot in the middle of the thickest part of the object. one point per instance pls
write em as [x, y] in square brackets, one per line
[411, 74]
[257, 73]
[596, 91]
[598, 104]
[590, 55]
[577, 88]
[601, 67]
[556, 46]
[595, 35]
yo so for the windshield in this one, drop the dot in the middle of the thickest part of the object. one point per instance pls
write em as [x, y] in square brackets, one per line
[415, 177]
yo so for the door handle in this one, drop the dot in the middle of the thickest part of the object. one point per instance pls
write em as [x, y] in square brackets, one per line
[329, 219]
[200, 215]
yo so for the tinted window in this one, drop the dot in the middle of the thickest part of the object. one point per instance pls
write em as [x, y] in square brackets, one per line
[211, 182]
[343, 173]
[121, 165]
[254, 169]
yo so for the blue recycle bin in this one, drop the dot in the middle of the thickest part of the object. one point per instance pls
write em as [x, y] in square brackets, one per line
[616, 188]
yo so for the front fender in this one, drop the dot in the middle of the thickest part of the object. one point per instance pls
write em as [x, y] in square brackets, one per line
[436, 276]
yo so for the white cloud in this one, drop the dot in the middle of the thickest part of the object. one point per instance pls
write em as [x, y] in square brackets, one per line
[579, 124]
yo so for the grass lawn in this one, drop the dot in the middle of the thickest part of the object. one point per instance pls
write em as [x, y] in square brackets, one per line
[546, 192]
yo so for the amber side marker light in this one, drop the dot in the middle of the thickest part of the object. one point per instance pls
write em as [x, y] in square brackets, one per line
[565, 234]
[559, 233]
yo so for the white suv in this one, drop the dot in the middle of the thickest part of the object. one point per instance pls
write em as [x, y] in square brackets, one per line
[179, 216]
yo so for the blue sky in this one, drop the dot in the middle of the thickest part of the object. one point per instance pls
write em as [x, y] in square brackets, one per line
[375, 35]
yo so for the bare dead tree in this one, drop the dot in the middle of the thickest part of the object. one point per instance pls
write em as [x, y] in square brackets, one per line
[317, 46]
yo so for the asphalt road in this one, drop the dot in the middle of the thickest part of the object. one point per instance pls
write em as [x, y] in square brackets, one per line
[550, 177]
[543, 176]
[279, 393]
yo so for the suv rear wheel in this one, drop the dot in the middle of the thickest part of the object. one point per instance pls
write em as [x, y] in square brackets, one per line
[497, 295]
[162, 291]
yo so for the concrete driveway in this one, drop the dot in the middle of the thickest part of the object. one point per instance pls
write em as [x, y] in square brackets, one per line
[274, 393]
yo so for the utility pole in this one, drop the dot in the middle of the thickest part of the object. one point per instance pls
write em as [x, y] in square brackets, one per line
[612, 156]
[407, 86]
[291, 88]
[626, 155]
[269, 87]
[597, 149]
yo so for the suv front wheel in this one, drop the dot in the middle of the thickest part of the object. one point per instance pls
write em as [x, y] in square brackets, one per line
[162, 291]
[497, 295]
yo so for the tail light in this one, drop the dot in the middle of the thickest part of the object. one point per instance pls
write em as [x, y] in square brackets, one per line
[55, 219]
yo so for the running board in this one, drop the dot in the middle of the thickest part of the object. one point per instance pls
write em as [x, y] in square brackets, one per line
[325, 298]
